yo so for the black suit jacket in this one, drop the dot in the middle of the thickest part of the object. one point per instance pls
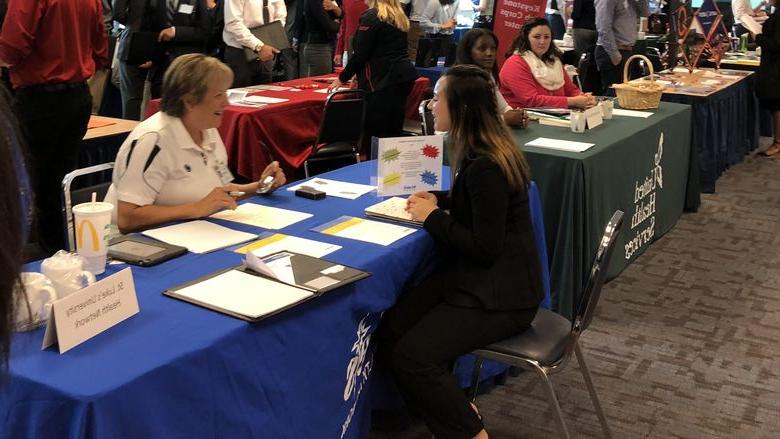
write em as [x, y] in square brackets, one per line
[487, 239]
[193, 29]
[768, 74]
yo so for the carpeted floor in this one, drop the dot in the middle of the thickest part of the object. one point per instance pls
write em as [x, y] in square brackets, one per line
[685, 342]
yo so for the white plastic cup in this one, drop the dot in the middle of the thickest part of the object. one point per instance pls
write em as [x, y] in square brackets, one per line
[577, 121]
[32, 300]
[93, 226]
[607, 105]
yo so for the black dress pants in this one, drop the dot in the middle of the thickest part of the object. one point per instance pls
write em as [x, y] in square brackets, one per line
[54, 123]
[422, 335]
[386, 111]
[246, 73]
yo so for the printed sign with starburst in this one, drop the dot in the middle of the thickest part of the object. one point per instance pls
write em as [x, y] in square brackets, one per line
[407, 165]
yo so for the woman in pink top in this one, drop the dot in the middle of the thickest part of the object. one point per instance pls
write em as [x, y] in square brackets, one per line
[533, 75]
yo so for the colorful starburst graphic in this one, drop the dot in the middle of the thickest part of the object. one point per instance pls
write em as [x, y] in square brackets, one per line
[429, 178]
[392, 179]
[430, 151]
[391, 155]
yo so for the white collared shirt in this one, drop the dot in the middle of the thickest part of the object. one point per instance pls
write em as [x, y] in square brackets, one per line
[242, 15]
[160, 164]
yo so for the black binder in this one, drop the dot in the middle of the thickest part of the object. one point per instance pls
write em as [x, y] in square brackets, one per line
[142, 46]
[272, 34]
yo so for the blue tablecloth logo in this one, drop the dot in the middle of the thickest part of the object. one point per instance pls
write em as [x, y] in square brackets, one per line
[644, 203]
[359, 367]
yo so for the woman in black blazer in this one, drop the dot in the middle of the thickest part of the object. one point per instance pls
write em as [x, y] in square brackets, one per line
[381, 62]
[489, 286]
[768, 74]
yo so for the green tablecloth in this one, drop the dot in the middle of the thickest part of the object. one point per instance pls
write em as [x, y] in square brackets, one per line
[630, 168]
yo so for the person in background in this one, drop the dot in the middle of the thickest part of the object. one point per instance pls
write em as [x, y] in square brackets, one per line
[617, 25]
[556, 19]
[215, 45]
[16, 215]
[240, 17]
[489, 286]
[584, 27]
[173, 166]
[741, 8]
[381, 63]
[438, 21]
[768, 75]
[415, 30]
[318, 30]
[52, 100]
[533, 74]
[292, 24]
[478, 47]
[353, 9]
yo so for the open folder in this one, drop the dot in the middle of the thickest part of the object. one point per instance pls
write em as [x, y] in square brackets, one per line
[277, 282]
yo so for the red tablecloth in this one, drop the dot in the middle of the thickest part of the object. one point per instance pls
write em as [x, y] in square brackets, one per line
[284, 131]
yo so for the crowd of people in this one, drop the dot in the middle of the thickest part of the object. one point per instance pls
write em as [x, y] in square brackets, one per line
[173, 166]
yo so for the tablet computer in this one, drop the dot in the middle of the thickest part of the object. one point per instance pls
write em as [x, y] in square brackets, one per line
[141, 251]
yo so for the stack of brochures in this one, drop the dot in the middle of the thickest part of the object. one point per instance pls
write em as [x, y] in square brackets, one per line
[392, 209]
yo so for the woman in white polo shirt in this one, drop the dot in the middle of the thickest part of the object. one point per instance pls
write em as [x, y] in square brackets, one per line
[173, 166]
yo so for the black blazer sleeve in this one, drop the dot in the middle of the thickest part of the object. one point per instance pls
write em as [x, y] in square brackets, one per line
[192, 28]
[488, 193]
[770, 39]
[365, 42]
[316, 13]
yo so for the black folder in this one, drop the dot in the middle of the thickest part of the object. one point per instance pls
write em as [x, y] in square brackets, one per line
[272, 34]
[142, 46]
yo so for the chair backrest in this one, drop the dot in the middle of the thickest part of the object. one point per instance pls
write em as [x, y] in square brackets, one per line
[426, 118]
[72, 197]
[598, 273]
[590, 78]
[343, 118]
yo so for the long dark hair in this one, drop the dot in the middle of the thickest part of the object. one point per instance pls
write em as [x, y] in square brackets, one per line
[467, 43]
[521, 43]
[12, 234]
[477, 127]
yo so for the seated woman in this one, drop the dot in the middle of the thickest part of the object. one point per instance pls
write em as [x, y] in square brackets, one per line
[533, 75]
[173, 166]
[478, 47]
[489, 285]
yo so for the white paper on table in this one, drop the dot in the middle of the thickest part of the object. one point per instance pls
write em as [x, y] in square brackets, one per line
[391, 208]
[248, 104]
[750, 24]
[325, 90]
[199, 236]
[281, 242]
[370, 231]
[244, 293]
[264, 99]
[269, 87]
[563, 145]
[334, 188]
[262, 216]
[631, 113]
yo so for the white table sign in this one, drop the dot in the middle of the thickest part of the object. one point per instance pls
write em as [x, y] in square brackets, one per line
[88, 312]
[593, 116]
[408, 164]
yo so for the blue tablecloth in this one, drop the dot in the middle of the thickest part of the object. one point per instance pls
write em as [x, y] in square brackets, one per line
[178, 370]
[725, 128]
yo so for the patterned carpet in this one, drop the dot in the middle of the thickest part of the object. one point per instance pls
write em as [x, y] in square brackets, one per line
[685, 342]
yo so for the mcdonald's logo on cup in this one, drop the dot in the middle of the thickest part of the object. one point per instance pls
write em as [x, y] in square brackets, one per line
[93, 222]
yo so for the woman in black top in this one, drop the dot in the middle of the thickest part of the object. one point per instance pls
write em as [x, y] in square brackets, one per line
[768, 74]
[319, 26]
[381, 62]
[489, 286]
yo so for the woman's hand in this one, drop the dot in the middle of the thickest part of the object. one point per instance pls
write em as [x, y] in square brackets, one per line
[420, 205]
[279, 178]
[335, 85]
[583, 101]
[516, 118]
[218, 199]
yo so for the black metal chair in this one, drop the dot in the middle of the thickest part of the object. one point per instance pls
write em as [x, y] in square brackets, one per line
[547, 345]
[341, 129]
[73, 197]
[590, 78]
[426, 118]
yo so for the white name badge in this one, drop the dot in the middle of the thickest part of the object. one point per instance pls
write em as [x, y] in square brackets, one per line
[186, 9]
[593, 116]
[86, 313]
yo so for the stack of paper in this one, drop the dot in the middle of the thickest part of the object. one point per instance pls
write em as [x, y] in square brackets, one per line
[631, 113]
[276, 242]
[393, 209]
[334, 188]
[365, 230]
[262, 216]
[199, 236]
[258, 99]
[563, 145]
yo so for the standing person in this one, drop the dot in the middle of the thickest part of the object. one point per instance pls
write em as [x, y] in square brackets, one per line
[318, 30]
[533, 74]
[556, 19]
[290, 55]
[768, 75]
[240, 17]
[490, 285]
[742, 8]
[352, 10]
[438, 21]
[584, 27]
[52, 100]
[215, 45]
[415, 30]
[617, 23]
[382, 66]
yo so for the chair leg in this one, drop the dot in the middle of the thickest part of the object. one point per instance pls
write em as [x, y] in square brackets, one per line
[592, 390]
[306, 168]
[475, 372]
[553, 400]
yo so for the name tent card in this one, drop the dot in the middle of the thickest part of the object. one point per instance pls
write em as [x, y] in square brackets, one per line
[88, 312]
[406, 165]
[593, 116]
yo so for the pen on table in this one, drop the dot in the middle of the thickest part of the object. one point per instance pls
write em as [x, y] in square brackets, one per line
[236, 193]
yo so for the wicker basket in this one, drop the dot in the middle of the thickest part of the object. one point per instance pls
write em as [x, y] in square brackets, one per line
[638, 95]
